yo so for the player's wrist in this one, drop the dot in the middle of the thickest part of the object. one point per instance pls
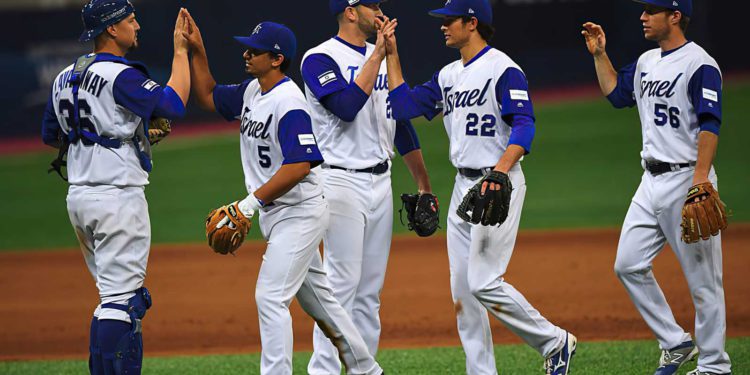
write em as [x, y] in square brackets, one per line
[250, 205]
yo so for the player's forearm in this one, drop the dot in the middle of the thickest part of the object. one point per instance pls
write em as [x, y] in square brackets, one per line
[395, 75]
[510, 157]
[180, 79]
[203, 81]
[366, 79]
[415, 163]
[606, 73]
[707, 144]
[287, 177]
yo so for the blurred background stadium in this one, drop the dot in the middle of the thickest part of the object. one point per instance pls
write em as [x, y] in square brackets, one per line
[582, 172]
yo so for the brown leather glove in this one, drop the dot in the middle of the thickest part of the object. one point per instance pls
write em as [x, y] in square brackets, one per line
[226, 228]
[158, 129]
[703, 214]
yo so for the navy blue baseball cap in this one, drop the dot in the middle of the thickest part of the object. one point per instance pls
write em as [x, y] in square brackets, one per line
[272, 37]
[338, 6]
[481, 9]
[684, 6]
[97, 15]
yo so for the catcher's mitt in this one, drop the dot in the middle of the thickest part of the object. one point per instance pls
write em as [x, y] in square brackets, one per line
[158, 129]
[490, 208]
[422, 213]
[226, 228]
[703, 214]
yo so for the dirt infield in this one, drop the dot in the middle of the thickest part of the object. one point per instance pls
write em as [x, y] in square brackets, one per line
[203, 303]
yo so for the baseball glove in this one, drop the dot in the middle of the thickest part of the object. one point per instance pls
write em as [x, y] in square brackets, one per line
[158, 129]
[490, 208]
[226, 228]
[422, 213]
[703, 214]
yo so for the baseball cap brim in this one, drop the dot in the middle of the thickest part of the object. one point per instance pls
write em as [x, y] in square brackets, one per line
[444, 12]
[662, 4]
[249, 41]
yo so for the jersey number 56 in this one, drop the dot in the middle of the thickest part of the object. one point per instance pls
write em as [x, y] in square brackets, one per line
[664, 113]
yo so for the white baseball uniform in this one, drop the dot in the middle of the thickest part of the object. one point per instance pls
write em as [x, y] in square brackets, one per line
[357, 244]
[275, 130]
[678, 94]
[106, 200]
[478, 99]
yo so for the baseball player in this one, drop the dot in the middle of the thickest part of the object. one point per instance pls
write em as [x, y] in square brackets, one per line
[489, 119]
[677, 88]
[96, 113]
[347, 89]
[279, 152]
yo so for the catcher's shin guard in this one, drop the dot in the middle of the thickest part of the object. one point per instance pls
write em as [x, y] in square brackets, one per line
[122, 343]
[96, 365]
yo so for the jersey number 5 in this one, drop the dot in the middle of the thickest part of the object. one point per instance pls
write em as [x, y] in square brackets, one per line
[263, 159]
[664, 113]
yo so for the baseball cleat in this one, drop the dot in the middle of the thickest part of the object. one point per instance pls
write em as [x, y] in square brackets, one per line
[559, 362]
[673, 358]
[698, 372]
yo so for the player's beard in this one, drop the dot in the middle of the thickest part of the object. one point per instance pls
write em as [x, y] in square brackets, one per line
[134, 45]
[367, 28]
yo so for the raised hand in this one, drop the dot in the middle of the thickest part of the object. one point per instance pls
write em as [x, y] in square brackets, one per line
[380, 23]
[596, 41]
[192, 33]
[180, 28]
[389, 34]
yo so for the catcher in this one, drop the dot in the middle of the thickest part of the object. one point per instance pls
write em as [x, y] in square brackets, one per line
[279, 152]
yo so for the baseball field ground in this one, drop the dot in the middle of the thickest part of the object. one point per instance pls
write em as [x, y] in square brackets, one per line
[581, 174]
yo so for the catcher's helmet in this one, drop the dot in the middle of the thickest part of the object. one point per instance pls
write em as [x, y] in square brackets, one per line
[97, 15]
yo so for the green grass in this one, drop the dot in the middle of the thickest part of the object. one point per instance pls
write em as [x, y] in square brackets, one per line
[600, 358]
[582, 172]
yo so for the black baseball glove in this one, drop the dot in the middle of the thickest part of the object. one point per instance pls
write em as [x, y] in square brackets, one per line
[422, 212]
[490, 208]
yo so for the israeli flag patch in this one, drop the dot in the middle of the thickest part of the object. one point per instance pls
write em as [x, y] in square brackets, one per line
[306, 139]
[519, 94]
[710, 95]
[149, 85]
[327, 77]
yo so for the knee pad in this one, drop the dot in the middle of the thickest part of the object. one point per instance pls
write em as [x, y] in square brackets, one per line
[127, 357]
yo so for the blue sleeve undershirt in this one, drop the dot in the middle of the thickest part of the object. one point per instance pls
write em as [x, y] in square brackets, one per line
[323, 77]
[228, 99]
[170, 105]
[297, 140]
[347, 103]
[522, 131]
[704, 89]
[516, 108]
[136, 92]
[424, 100]
[406, 139]
[622, 95]
[50, 126]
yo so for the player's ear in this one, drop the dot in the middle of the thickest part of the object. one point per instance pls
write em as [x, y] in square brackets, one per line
[473, 23]
[676, 17]
[110, 31]
[277, 61]
[350, 14]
